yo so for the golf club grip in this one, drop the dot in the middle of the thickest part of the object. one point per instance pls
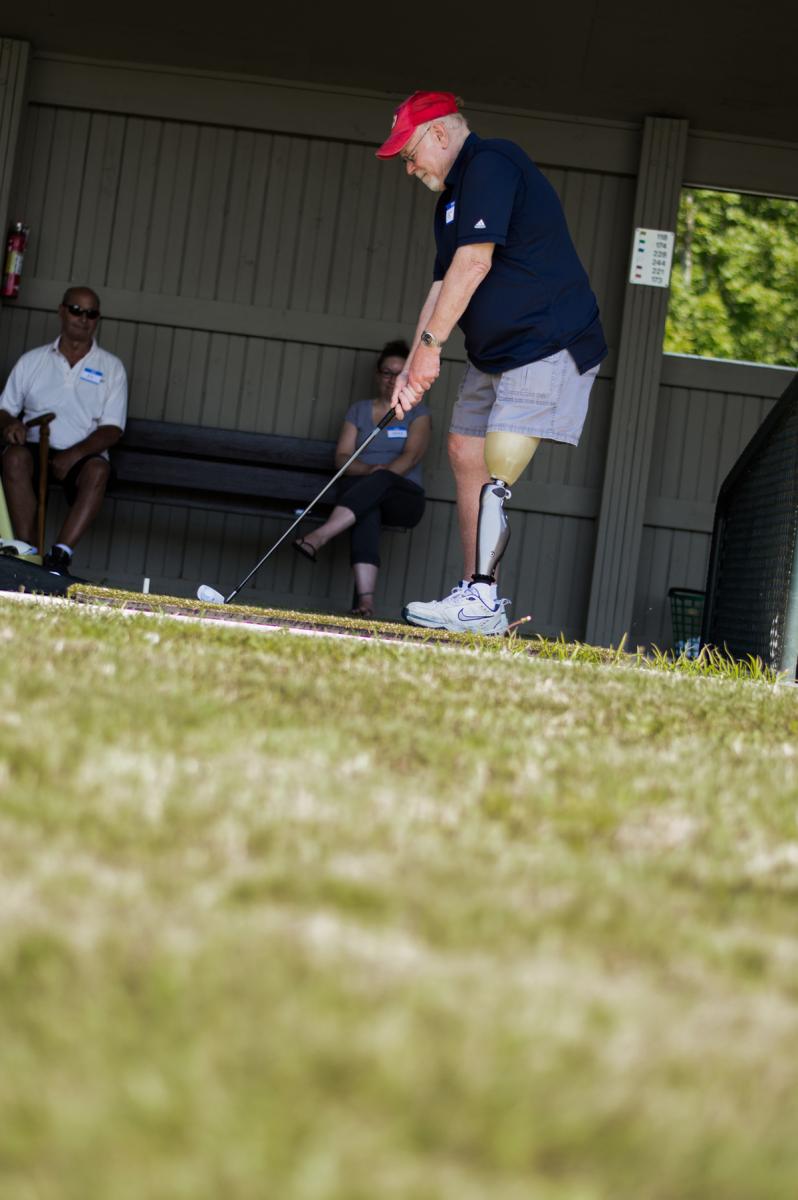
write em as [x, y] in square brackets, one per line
[386, 420]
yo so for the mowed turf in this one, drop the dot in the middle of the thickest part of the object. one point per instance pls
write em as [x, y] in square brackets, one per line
[307, 918]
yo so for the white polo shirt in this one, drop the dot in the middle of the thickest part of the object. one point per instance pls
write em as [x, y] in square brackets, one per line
[83, 397]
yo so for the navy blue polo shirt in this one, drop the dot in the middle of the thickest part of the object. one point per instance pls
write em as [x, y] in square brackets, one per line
[536, 299]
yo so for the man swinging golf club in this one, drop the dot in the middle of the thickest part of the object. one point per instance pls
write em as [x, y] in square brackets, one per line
[507, 273]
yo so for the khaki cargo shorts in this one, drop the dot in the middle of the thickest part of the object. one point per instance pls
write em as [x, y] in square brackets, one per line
[545, 399]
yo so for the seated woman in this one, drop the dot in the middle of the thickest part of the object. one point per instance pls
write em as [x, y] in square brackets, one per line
[384, 484]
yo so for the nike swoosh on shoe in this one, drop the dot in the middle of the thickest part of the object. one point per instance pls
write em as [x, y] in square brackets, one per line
[463, 616]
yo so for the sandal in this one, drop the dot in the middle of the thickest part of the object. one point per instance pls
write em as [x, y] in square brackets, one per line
[361, 609]
[305, 549]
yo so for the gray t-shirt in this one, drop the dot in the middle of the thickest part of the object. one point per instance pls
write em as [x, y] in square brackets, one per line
[389, 442]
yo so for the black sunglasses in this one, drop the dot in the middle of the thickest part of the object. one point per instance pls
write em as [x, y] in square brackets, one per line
[77, 311]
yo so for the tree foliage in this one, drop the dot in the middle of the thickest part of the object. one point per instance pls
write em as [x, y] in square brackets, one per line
[734, 287]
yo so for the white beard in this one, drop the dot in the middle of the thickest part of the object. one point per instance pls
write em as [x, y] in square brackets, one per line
[431, 181]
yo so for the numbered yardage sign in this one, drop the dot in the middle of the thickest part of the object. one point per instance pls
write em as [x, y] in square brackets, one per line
[652, 253]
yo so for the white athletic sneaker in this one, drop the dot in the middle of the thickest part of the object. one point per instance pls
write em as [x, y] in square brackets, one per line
[461, 612]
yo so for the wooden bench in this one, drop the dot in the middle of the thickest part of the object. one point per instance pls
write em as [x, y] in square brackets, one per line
[222, 468]
[197, 466]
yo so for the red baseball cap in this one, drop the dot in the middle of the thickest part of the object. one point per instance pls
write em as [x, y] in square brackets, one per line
[415, 110]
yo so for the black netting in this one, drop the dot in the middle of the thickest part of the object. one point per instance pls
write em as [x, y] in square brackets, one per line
[754, 544]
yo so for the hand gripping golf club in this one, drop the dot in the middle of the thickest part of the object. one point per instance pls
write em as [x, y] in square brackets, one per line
[211, 595]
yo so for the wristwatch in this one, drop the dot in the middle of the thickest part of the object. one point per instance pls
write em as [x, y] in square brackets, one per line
[429, 339]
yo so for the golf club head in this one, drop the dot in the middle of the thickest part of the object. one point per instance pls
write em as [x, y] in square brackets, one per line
[209, 595]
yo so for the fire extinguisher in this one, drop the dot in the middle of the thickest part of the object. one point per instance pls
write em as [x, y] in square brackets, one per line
[15, 252]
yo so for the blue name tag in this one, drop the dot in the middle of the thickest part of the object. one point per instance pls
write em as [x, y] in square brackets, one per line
[89, 375]
[396, 433]
[450, 213]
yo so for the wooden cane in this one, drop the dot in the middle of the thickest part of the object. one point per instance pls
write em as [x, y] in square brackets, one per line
[43, 423]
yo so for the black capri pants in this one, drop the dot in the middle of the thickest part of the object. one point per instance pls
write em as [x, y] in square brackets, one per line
[377, 499]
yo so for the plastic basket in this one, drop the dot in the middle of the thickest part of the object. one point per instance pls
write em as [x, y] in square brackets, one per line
[687, 613]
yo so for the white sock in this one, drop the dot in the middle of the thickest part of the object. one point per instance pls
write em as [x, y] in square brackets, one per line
[486, 593]
[63, 546]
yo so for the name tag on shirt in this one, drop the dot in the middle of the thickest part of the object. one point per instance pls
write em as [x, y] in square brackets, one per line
[396, 433]
[450, 213]
[89, 375]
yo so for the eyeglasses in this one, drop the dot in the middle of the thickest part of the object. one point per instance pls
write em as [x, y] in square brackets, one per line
[410, 157]
[386, 374]
[77, 311]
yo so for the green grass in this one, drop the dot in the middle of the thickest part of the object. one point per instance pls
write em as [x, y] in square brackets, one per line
[710, 662]
[319, 919]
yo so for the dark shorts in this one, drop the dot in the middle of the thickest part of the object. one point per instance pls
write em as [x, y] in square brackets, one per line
[69, 483]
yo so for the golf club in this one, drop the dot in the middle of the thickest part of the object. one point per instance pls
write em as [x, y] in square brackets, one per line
[211, 595]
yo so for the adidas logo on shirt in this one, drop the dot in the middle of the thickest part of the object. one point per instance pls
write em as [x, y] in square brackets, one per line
[480, 224]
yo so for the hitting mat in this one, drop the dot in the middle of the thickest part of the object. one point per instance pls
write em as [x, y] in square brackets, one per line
[16, 575]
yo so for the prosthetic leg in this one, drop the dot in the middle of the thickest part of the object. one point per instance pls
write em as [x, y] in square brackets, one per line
[506, 456]
[475, 607]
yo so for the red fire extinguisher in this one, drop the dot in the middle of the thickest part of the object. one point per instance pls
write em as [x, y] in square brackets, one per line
[15, 252]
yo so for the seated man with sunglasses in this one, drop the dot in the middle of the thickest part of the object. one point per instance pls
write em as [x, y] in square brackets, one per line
[86, 388]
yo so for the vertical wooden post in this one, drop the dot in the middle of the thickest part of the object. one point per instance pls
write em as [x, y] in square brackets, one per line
[634, 407]
[14, 58]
